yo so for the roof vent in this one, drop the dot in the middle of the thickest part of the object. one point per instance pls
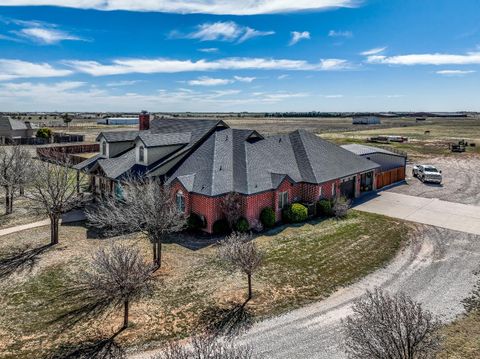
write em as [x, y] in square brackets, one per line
[226, 138]
[220, 168]
[280, 140]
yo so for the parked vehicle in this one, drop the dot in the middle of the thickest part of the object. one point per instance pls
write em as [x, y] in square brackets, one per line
[427, 173]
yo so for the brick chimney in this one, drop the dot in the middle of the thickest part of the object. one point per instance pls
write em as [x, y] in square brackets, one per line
[144, 121]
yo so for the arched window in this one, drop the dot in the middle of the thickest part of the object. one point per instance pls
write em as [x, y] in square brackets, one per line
[180, 199]
[141, 154]
[104, 148]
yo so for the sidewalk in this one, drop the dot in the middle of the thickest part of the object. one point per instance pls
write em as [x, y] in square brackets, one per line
[73, 216]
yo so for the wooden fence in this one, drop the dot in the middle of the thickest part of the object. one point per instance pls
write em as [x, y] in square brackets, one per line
[388, 177]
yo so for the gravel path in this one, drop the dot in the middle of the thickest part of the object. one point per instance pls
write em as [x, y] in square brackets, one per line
[437, 269]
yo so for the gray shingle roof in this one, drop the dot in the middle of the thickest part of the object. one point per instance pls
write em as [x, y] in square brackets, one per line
[6, 122]
[115, 167]
[228, 162]
[118, 136]
[164, 139]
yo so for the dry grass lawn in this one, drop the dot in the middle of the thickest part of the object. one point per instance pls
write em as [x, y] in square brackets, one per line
[194, 290]
[462, 338]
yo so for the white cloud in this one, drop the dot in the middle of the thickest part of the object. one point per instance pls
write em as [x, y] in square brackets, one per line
[147, 66]
[333, 96]
[455, 72]
[222, 31]
[46, 35]
[209, 50]
[217, 7]
[209, 81]
[297, 36]
[122, 83]
[14, 69]
[470, 58]
[333, 33]
[283, 77]
[244, 79]
[79, 96]
[374, 51]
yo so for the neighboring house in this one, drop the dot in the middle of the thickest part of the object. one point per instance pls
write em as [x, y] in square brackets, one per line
[365, 120]
[392, 164]
[204, 160]
[11, 129]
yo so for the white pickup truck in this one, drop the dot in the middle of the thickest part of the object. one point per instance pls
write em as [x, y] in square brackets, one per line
[427, 173]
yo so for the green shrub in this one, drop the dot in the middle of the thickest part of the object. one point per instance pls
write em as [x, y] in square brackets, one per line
[242, 225]
[267, 217]
[44, 133]
[195, 222]
[221, 227]
[324, 207]
[295, 213]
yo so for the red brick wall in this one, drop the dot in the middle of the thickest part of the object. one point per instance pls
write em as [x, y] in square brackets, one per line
[252, 205]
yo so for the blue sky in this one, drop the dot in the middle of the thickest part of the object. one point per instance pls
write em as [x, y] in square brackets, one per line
[255, 55]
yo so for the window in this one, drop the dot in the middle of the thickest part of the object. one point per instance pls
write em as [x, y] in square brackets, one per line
[104, 148]
[334, 190]
[180, 199]
[141, 154]
[320, 192]
[282, 200]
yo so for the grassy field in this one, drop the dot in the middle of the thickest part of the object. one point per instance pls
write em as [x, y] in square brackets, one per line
[193, 290]
[442, 132]
[462, 338]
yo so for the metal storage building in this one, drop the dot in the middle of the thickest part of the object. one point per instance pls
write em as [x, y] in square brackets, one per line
[118, 121]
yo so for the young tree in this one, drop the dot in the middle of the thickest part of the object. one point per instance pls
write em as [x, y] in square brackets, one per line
[240, 251]
[15, 164]
[206, 347]
[390, 326]
[340, 207]
[146, 206]
[118, 275]
[231, 207]
[54, 188]
[67, 119]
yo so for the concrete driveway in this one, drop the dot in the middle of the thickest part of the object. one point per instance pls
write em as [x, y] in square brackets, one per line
[432, 211]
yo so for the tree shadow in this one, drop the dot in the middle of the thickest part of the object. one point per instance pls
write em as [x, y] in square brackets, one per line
[106, 348]
[86, 307]
[25, 259]
[227, 321]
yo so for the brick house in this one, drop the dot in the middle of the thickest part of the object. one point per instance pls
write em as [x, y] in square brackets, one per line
[204, 160]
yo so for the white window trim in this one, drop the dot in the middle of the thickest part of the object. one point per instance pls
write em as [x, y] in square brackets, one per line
[141, 153]
[282, 201]
[178, 195]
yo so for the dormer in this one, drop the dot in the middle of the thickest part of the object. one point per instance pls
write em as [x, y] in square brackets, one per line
[151, 147]
[113, 144]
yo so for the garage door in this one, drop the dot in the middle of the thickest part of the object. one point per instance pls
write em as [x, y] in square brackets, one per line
[347, 188]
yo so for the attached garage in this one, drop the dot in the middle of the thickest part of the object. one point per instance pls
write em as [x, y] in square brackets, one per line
[392, 163]
[347, 187]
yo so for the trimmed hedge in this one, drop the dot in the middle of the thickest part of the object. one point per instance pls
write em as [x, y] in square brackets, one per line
[295, 213]
[221, 227]
[325, 207]
[195, 222]
[242, 225]
[267, 217]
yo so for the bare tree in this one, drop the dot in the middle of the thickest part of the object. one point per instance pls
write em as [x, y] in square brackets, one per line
[240, 251]
[340, 208]
[385, 326]
[231, 207]
[15, 164]
[206, 347]
[119, 276]
[54, 188]
[147, 206]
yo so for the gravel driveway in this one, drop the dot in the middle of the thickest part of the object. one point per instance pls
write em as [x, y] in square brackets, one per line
[437, 268]
[461, 181]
